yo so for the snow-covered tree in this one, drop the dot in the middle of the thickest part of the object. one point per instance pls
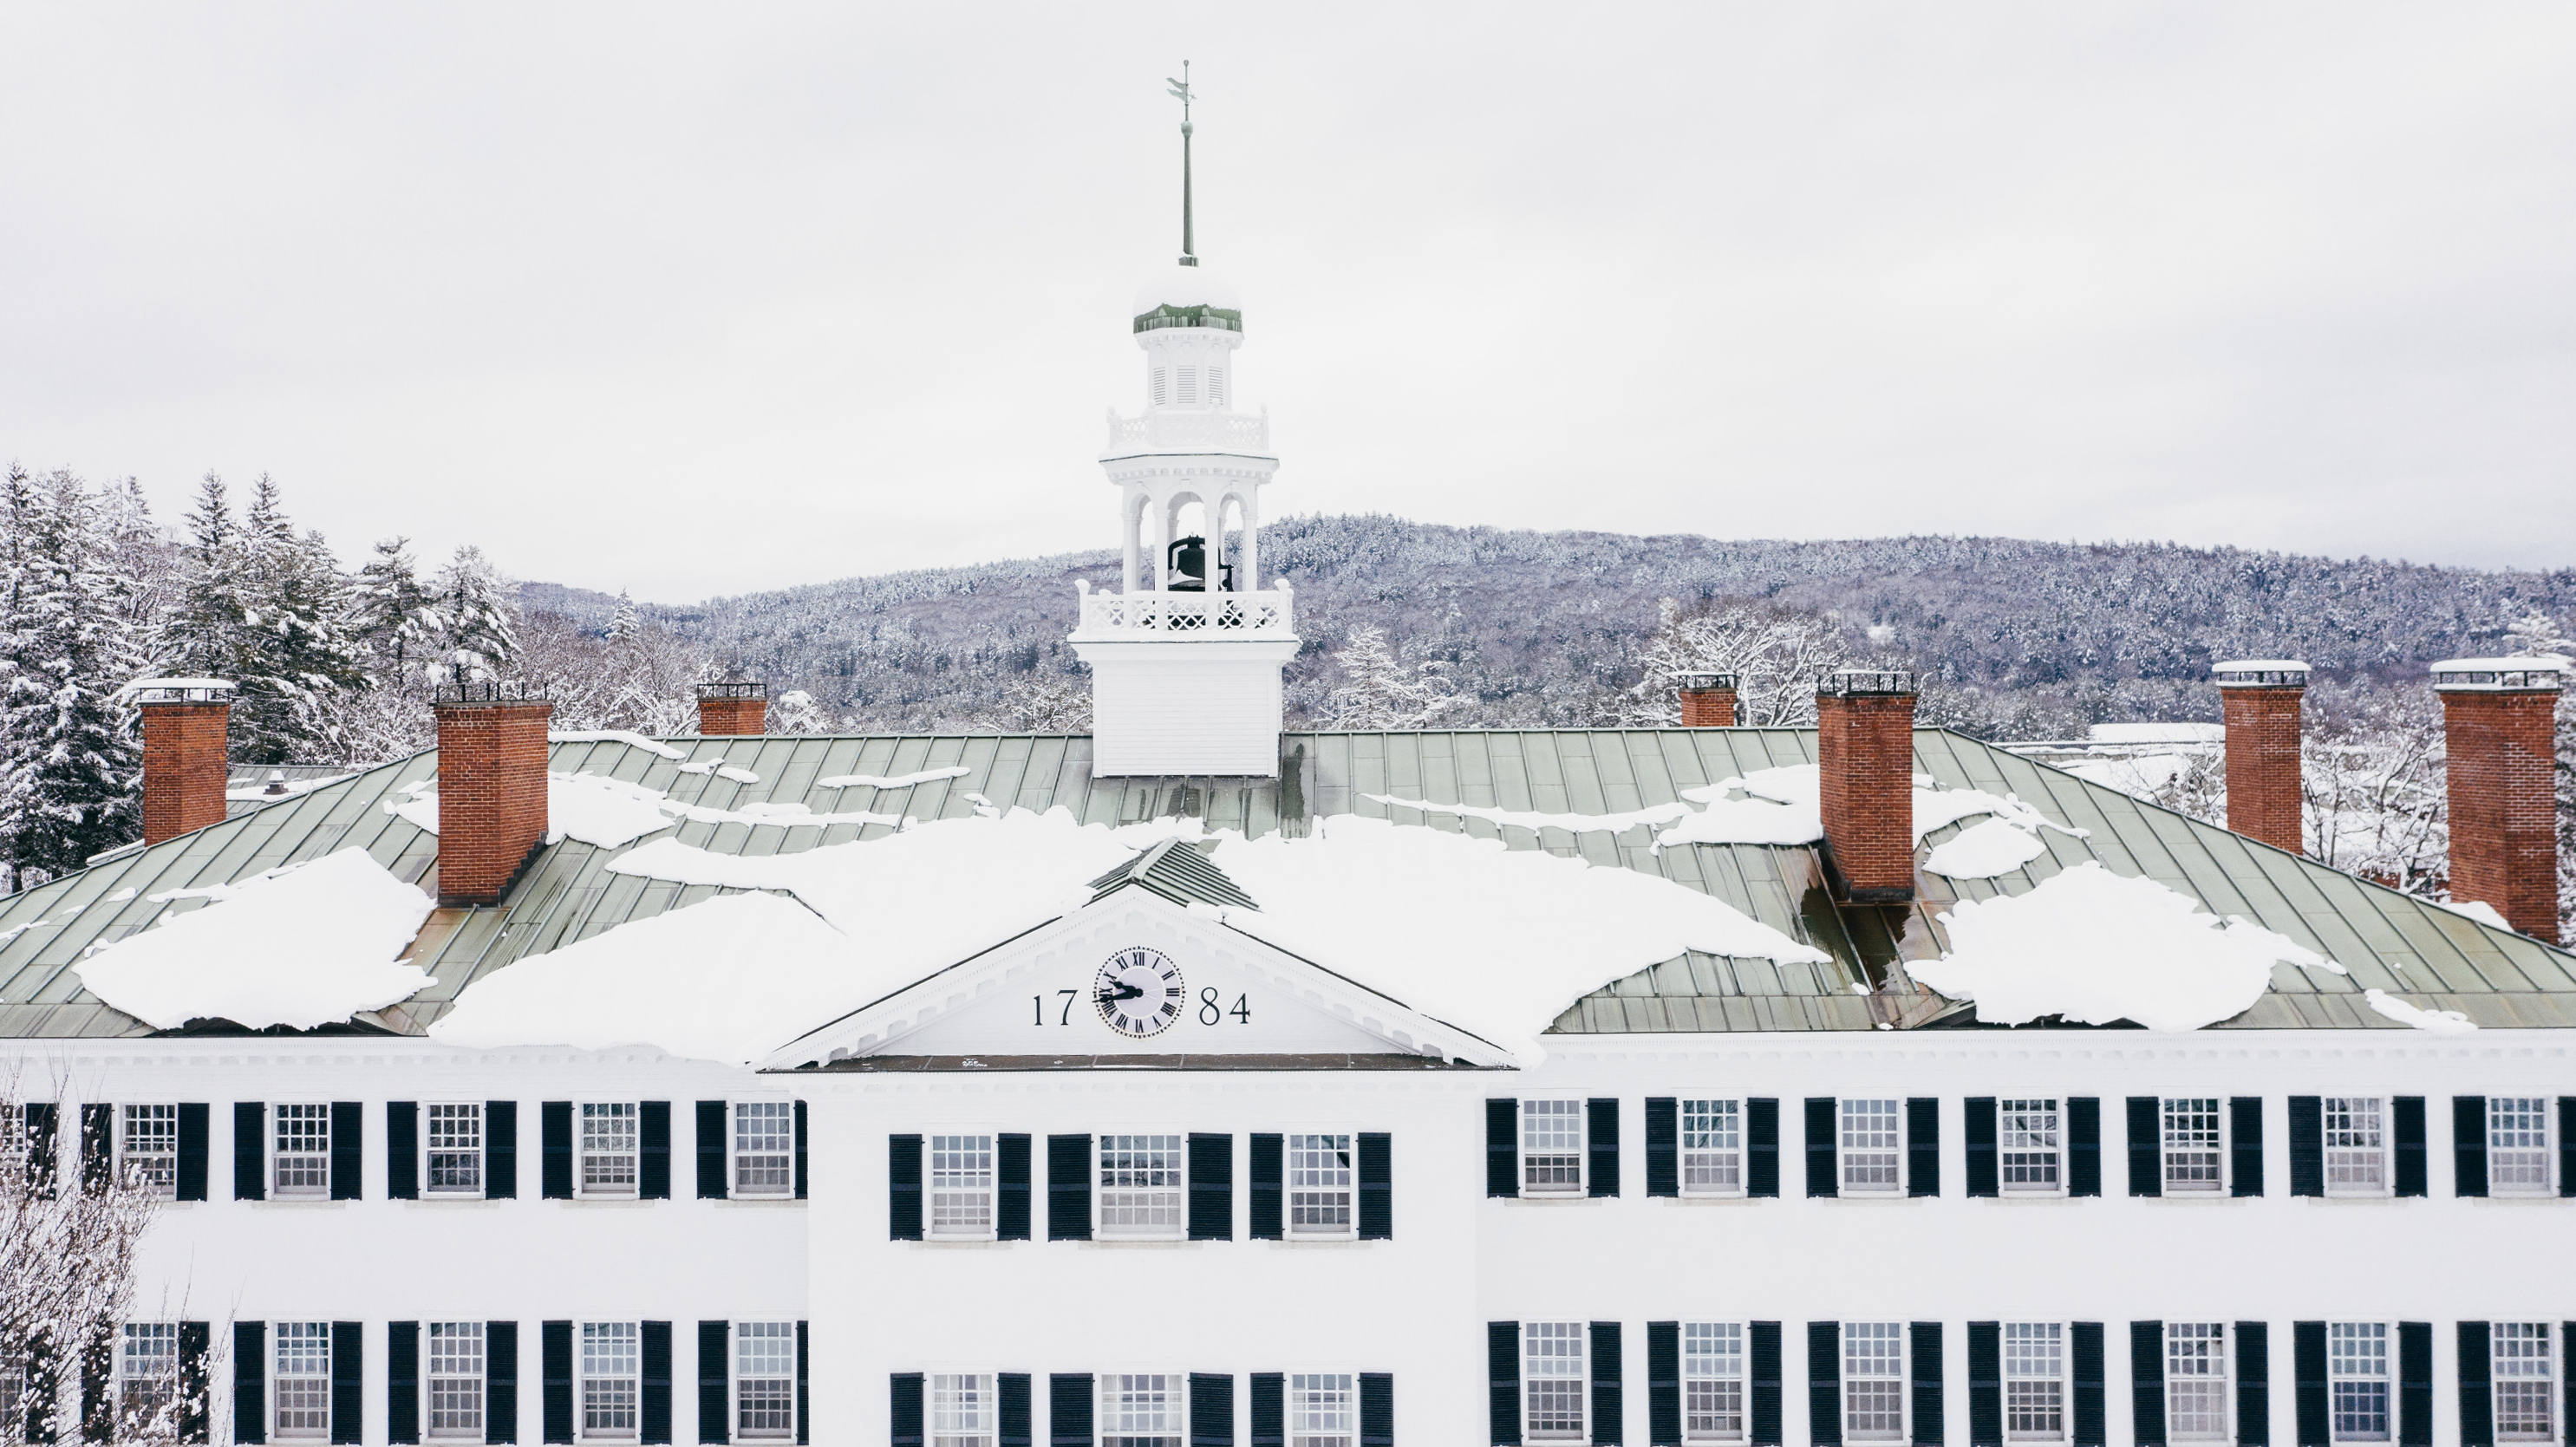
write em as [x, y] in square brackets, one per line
[1379, 691]
[627, 622]
[475, 601]
[796, 712]
[1776, 654]
[1039, 703]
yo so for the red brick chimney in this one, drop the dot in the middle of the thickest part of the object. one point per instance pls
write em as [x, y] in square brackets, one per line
[1708, 700]
[491, 787]
[732, 709]
[2260, 701]
[2497, 715]
[184, 726]
[1865, 753]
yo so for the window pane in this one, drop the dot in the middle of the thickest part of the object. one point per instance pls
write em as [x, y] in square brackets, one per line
[963, 1412]
[1319, 1185]
[302, 1390]
[1551, 1146]
[151, 1153]
[2357, 1361]
[1873, 1381]
[608, 1147]
[2525, 1397]
[1140, 1185]
[1713, 1381]
[764, 1374]
[302, 1159]
[2191, 1146]
[455, 1371]
[1552, 1377]
[1869, 1146]
[2355, 1155]
[610, 1353]
[455, 1149]
[961, 1185]
[147, 1374]
[2195, 1381]
[2518, 1144]
[2033, 1375]
[2026, 1141]
[1322, 1410]
[764, 1147]
[1140, 1410]
[1712, 1146]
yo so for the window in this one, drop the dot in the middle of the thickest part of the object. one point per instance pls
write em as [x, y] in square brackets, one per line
[456, 1379]
[1216, 386]
[2026, 1142]
[2195, 1381]
[1873, 1381]
[1869, 1147]
[1140, 1410]
[301, 1162]
[1140, 1185]
[1712, 1148]
[1551, 1147]
[2357, 1366]
[151, 1148]
[2191, 1147]
[961, 1187]
[963, 1412]
[455, 1150]
[2034, 1382]
[147, 1369]
[2524, 1396]
[13, 1386]
[303, 1390]
[1713, 1381]
[1322, 1412]
[2518, 1145]
[610, 1352]
[608, 1149]
[764, 1147]
[764, 1381]
[1552, 1379]
[15, 1159]
[1188, 392]
[1319, 1185]
[1158, 386]
[2356, 1153]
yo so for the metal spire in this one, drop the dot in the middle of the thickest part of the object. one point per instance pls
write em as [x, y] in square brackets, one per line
[1181, 91]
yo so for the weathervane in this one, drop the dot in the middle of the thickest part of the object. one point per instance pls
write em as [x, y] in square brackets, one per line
[1181, 92]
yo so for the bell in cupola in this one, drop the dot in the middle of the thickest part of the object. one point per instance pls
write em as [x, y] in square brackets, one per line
[1186, 565]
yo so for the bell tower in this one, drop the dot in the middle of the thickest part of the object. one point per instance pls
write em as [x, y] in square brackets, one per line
[1185, 658]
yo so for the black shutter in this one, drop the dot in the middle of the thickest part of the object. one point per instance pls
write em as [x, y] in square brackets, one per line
[1663, 1146]
[1265, 1167]
[906, 1397]
[1011, 1174]
[1923, 1146]
[1503, 1379]
[1011, 1408]
[97, 1148]
[1821, 1175]
[348, 1364]
[554, 1368]
[554, 1127]
[250, 1151]
[1068, 1190]
[250, 1383]
[2415, 1384]
[1069, 1409]
[1503, 1151]
[1985, 1384]
[2468, 1145]
[2084, 1146]
[1824, 1369]
[1663, 1367]
[2307, 1145]
[2407, 1120]
[1377, 1186]
[1609, 1386]
[1601, 1147]
[1269, 1403]
[715, 1380]
[800, 1162]
[1377, 1409]
[1211, 1168]
[2084, 1339]
[2567, 1145]
[42, 1120]
[44, 1389]
[402, 1150]
[2245, 1145]
[804, 1380]
[2253, 1384]
[192, 1151]
[1924, 1339]
[1978, 1132]
[98, 1382]
[2146, 1147]
[500, 1372]
[2477, 1402]
[712, 1185]
[2147, 1383]
[1211, 1409]
[903, 1187]
[348, 1151]
[1761, 1150]
[501, 1153]
[655, 1414]
[653, 1161]
[1762, 1361]
[2308, 1378]
[194, 1338]
[402, 1381]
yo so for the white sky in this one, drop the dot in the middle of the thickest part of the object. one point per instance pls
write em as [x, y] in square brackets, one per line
[722, 298]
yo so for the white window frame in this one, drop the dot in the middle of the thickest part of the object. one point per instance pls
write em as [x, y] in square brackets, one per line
[2217, 1337]
[1904, 1405]
[163, 1383]
[2041, 1344]
[13, 1384]
[307, 1161]
[1849, 1158]
[153, 1164]
[301, 1342]
[1550, 1190]
[433, 1357]
[1720, 1117]
[738, 1392]
[990, 1192]
[2362, 1154]
[2014, 1130]
[583, 1377]
[431, 1149]
[2547, 1150]
[1533, 1332]
[1348, 1191]
[1174, 1431]
[2337, 1376]
[975, 1421]
[2545, 1377]
[15, 1159]
[1330, 1395]
[1732, 1333]
[2170, 1154]
[1178, 1191]
[632, 1188]
[740, 1163]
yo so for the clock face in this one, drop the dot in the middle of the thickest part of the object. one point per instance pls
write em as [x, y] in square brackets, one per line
[1139, 992]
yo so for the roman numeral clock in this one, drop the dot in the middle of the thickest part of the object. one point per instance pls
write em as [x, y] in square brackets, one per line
[1139, 992]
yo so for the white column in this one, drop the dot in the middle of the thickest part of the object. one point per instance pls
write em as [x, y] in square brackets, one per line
[1162, 540]
[1251, 538]
[1133, 504]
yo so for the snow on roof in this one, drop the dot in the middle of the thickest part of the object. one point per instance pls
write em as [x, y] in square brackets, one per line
[898, 781]
[613, 813]
[2156, 733]
[1982, 851]
[1185, 286]
[617, 736]
[1783, 806]
[2140, 776]
[300, 946]
[1537, 819]
[2406, 1012]
[2098, 947]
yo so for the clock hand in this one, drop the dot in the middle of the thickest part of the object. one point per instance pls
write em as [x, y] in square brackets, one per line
[1121, 992]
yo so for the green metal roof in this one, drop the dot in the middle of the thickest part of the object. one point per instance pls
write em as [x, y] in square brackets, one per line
[1178, 871]
[2386, 939]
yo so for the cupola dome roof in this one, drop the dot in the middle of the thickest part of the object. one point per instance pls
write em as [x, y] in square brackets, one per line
[1187, 296]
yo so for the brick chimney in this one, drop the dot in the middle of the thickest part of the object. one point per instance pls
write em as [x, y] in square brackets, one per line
[2497, 715]
[732, 709]
[184, 725]
[1865, 752]
[491, 787]
[2260, 701]
[1708, 700]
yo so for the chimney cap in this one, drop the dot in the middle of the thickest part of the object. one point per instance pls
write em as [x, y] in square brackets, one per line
[2532, 674]
[2260, 673]
[490, 691]
[734, 689]
[179, 690]
[1848, 682]
[1701, 682]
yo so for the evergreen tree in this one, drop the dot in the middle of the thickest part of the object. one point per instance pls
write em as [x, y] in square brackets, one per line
[627, 623]
[394, 616]
[473, 598]
[1379, 692]
[69, 760]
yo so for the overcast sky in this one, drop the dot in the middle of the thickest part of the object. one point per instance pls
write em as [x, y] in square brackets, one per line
[713, 299]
